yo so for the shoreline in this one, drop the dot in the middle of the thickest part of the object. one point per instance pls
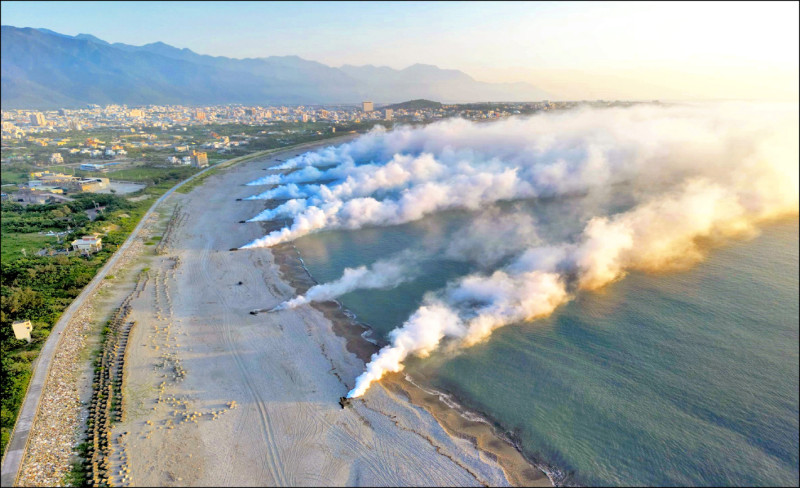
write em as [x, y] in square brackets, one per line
[217, 396]
[457, 420]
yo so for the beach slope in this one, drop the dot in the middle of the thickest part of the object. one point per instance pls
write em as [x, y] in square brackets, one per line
[216, 396]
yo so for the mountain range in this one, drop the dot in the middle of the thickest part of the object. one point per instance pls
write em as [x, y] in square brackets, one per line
[42, 69]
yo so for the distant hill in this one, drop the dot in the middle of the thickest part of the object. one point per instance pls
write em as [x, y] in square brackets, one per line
[44, 69]
[419, 104]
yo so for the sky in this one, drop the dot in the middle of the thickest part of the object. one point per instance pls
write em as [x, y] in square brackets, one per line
[575, 50]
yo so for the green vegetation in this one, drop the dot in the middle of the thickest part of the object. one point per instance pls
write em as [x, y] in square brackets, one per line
[19, 244]
[79, 474]
[418, 104]
[39, 288]
[146, 174]
[16, 173]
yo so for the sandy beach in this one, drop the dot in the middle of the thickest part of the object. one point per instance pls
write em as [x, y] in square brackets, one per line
[216, 396]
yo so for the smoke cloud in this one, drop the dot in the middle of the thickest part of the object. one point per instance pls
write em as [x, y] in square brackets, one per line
[491, 236]
[694, 176]
[664, 233]
[387, 273]
[671, 228]
[404, 175]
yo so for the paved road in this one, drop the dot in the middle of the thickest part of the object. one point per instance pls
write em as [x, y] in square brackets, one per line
[12, 459]
[19, 437]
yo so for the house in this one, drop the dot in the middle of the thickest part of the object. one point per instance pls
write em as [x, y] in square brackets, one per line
[31, 196]
[199, 159]
[22, 329]
[91, 185]
[90, 167]
[88, 244]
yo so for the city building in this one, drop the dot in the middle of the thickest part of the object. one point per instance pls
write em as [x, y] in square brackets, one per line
[52, 178]
[367, 107]
[56, 158]
[199, 159]
[93, 167]
[88, 244]
[31, 196]
[22, 329]
[388, 113]
[37, 119]
[90, 184]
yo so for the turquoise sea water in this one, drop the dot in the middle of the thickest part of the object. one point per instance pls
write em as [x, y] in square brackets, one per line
[687, 378]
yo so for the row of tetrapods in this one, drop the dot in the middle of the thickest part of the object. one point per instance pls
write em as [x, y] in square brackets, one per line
[106, 404]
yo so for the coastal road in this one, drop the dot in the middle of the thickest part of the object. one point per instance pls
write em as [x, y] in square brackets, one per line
[12, 460]
[19, 437]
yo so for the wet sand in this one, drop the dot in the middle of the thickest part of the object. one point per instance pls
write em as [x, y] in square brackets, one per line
[455, 419]
[217, 396]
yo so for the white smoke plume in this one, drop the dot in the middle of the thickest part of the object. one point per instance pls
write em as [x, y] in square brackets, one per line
[669, 229]
[491, 236]
[463, 191]
[459, 164]
[661, 234]
[284, 192]
[360, 181]
[383, 274]
[309, 173]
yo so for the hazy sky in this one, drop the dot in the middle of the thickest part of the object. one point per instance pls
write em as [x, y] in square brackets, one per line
[573, 50]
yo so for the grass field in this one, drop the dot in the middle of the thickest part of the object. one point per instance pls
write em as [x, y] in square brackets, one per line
[147, 174]
[13, 244]
[15, 177]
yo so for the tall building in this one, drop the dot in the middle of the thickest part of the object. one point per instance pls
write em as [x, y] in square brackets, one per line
[367, 107]
[388, 113]
[199, 159]
[37, 119]
[199, 115]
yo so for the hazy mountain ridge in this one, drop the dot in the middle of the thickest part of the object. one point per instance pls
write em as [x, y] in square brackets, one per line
[45, 69]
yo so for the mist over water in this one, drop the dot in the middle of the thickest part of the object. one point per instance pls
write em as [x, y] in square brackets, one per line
[670, 378]
[438, 237]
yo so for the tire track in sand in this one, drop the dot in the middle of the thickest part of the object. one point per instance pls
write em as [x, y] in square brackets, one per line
[273, 457]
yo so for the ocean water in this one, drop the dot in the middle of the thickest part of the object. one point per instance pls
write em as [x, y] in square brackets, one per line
[679, 378]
